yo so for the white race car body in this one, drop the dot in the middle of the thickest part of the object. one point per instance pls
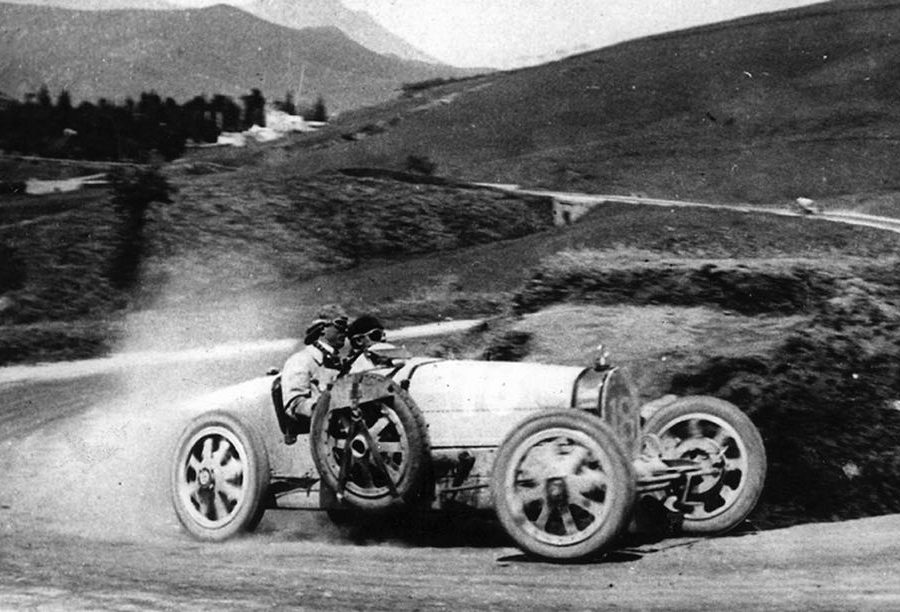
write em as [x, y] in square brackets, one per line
[469, 407]
[559, 452]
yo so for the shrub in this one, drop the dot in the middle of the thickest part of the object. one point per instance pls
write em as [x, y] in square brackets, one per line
[508, 346]
[420, 164]
[752, 288]
[825, 404]
[54, 341]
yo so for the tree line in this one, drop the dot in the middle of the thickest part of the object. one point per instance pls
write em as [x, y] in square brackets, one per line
[135, 130]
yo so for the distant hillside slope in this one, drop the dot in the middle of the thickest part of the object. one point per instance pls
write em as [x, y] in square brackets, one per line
[802, 102]
[298, 14]
[185, 53]
[358, 25]
[100, 5]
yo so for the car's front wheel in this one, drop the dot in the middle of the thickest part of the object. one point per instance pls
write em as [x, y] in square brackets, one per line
[728, 450]
[219, 477]
[562, 485]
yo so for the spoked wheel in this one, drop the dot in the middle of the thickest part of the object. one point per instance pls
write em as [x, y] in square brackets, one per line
[563, 488]
[219, 477]
[729, 451]
[377, 463]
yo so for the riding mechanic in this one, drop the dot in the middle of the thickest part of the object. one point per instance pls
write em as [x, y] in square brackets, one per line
[312, 370]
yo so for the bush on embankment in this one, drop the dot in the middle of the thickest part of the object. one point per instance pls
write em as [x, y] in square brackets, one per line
[744, 286]
[825, 398]
[826, 404]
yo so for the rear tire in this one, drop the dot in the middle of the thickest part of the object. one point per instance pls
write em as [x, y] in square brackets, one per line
[219, 477]
[398, 429]
[563, 487]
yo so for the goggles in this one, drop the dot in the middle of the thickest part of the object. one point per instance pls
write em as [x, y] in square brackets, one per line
[340, 324]
[376, 335]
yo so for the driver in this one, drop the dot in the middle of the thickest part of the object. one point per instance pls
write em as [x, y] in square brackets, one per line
[365, 332]
[312, 370]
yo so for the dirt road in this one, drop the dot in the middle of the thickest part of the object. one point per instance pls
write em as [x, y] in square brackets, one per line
[85, 523]
[836, 216]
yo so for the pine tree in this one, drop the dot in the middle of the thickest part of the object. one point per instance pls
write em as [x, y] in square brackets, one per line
[319, 113]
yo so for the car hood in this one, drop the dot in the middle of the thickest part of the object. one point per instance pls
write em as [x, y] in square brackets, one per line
[476, 403]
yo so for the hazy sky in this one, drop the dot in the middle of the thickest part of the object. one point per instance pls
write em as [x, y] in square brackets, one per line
[508, 33]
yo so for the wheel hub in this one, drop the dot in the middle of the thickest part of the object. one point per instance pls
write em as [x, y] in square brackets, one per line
[359, 447]
[557, 492]
[206, 479]
[700, 449]
[707, 454]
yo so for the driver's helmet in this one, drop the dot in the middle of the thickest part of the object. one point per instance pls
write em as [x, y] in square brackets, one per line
[325, 318]
[365, 327]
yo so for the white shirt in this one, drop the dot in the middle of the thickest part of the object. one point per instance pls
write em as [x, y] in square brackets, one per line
[304, 374]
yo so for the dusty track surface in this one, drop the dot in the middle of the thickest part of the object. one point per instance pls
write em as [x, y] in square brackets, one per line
[85, 523]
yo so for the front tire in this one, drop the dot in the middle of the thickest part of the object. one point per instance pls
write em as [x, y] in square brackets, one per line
[563, 487]
[724, 442]
[219, 477]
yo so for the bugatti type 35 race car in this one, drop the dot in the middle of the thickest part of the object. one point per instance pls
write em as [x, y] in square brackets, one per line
[563, 455]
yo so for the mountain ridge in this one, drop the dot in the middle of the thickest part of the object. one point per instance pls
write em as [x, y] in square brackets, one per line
[357, 25]
[184, 53]
[297, 14]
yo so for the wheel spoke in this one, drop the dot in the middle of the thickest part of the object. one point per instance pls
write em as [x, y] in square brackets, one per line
[232, 491]
[222, 452]
[378, 426]
[393, 470]
[694, 429]
[590, 506]
[194, 464]
[537, 463]
[528, 495]
[203, 502]
[568, 520]
[589, 480]
[733, 464]
[541, 521]
[569, 459]
[206, 454]
[191, 487]
[231, 469]
[721, 436]
[221, 509]
[390, 447]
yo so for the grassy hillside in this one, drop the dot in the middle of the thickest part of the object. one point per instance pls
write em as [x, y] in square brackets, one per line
[763, 109]
[222, 237]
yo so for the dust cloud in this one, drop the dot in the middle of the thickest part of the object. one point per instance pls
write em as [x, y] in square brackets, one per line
[98, 464]
[95, 462]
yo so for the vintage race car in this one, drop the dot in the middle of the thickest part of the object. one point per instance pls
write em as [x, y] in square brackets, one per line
[564, 455]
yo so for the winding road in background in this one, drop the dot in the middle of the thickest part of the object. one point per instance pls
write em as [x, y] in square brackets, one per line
[590, 199]
[85, 523]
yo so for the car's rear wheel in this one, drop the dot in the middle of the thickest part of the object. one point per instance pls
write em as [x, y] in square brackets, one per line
[378, 463]
[724, 443]
[562, 485]
[219, 477]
